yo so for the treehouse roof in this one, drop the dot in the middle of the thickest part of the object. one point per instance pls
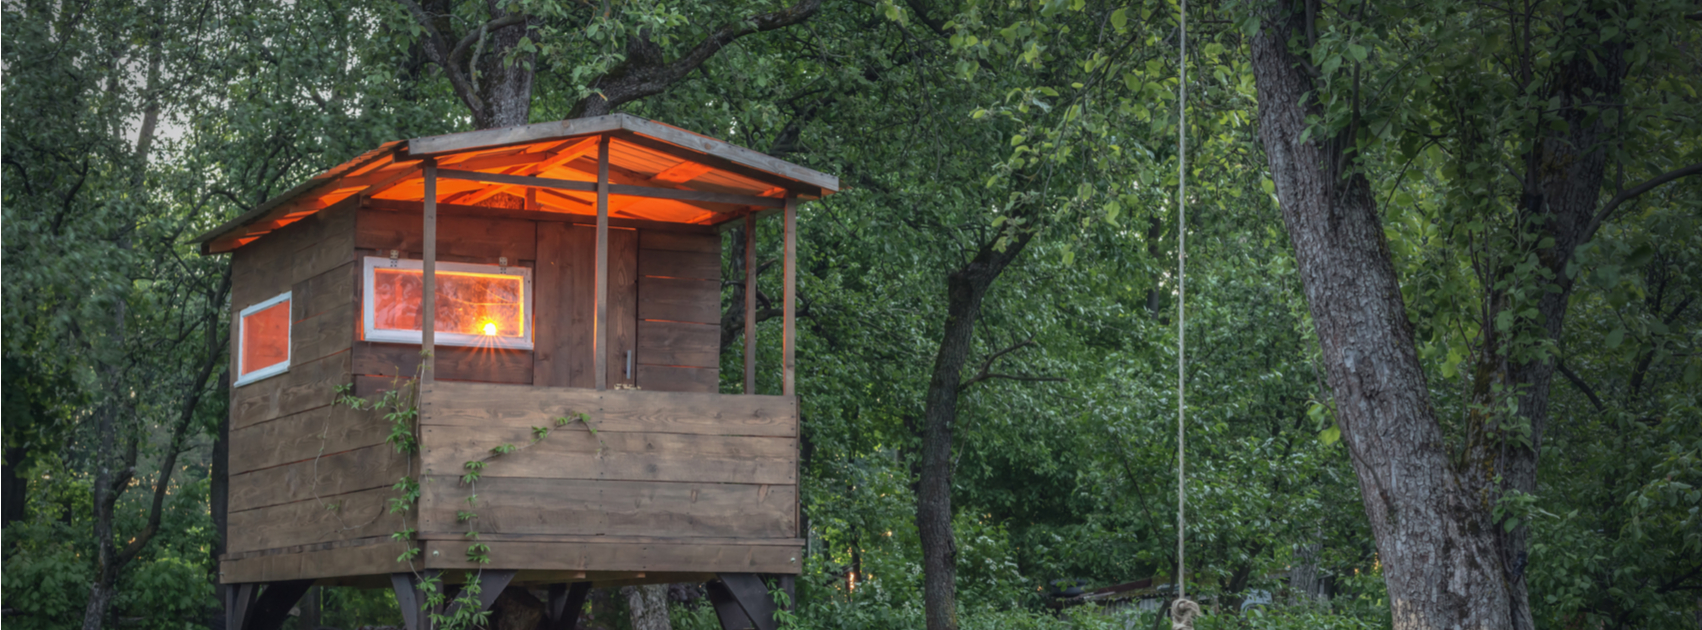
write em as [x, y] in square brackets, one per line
[657, 172]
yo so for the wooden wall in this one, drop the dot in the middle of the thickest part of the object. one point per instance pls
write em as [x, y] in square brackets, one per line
[310, 482]
[664, 301]
[679, 312]
[664, 469]
[304, 473]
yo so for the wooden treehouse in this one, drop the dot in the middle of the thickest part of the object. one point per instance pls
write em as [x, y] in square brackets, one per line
[572, 268]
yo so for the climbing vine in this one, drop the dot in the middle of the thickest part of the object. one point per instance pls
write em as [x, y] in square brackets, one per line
[400, 408]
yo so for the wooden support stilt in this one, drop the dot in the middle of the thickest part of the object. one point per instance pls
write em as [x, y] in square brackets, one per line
[491, 583]
[750, 303]
[239, 600]
[752, 596]
[249, 607]
[562, 610]
[726, 607]
[428, 285]
[789, 371]
[410, 599]
[600, 327]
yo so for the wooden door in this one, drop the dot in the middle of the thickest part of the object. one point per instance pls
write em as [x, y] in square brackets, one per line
[565, 305]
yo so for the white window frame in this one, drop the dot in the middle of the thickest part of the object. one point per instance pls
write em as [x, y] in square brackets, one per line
[371, 333]
[242, 340]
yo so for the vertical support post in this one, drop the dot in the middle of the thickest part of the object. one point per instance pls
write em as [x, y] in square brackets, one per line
[750, 303]
[789, 371]
[600, 328]
[428, 288]
[532, 199]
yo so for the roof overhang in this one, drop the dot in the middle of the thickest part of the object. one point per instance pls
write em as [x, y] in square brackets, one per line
[658, 172]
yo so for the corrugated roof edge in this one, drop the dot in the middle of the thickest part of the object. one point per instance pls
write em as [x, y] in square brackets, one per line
[690, 141]
[332, 174]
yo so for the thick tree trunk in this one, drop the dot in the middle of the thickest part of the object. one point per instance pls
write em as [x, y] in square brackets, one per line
[966, 288]
[1435, 539]
[648, 606]
[505, 87]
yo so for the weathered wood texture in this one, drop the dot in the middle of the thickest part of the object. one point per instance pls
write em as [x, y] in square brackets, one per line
[362, 514]
[377, 556]
[564, 306]
[465, 237]
[572, 452]
[642, 411]
[662, 465]
[303, 436]
[679, 312]
[524, 505]
[684, 556]
[322, 477]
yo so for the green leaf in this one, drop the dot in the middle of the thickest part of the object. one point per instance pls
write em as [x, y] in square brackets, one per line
[1330, 436]
[1615, 338]
[1120, 19]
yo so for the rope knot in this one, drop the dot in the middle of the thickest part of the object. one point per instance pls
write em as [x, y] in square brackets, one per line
[1182, 614]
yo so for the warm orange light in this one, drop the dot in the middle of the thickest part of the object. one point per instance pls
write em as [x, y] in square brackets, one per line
[490, 329]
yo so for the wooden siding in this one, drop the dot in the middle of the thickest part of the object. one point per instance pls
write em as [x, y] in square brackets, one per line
[619, 555]
[669, 466]
[564, 305]
[679, 312]
[368, 556]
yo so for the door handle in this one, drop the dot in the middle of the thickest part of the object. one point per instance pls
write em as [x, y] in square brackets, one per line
[629, 364]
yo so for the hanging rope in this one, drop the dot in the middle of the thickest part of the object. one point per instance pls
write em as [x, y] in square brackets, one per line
[1183, 610]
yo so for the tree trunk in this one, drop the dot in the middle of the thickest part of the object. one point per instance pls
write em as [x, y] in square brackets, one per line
[218, 497]
[106, 573]
[648, 606]
[505, 86]
[966, 288]
[1435, 540]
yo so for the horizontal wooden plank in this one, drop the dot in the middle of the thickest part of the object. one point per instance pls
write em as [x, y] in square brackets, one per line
[361, 514]
[721, 151]
[679, 344]
[679, 300]
[529, 181]
[676, 264]
[572, 452]
[476, 238]
[491, 138]
[637, 411]
[666, 378]
[305, 386]
[619, 540]
[302, 436]
[651, 557]
[460, 363]
[330, 474]
[705, 243]
[322, 335]
[323, 292]
[459, 210]
[377, 557]
[513, 505]
[652, 192]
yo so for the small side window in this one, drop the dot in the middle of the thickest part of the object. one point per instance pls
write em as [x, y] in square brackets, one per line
[265, 337]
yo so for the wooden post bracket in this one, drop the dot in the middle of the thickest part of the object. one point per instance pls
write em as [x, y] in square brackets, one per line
[250, 607]
[750, 598]
[561, 612]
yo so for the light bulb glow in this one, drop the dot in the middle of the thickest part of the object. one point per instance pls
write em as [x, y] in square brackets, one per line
[490, 329]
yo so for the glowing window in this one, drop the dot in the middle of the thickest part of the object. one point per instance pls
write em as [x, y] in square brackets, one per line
[477, 305]
[264, 338]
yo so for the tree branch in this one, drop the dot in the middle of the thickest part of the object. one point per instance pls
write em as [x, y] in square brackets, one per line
[437, 48]
[986, 373]
[1629, 193]
[1581, 385]
[484, 29]
[644, 73]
